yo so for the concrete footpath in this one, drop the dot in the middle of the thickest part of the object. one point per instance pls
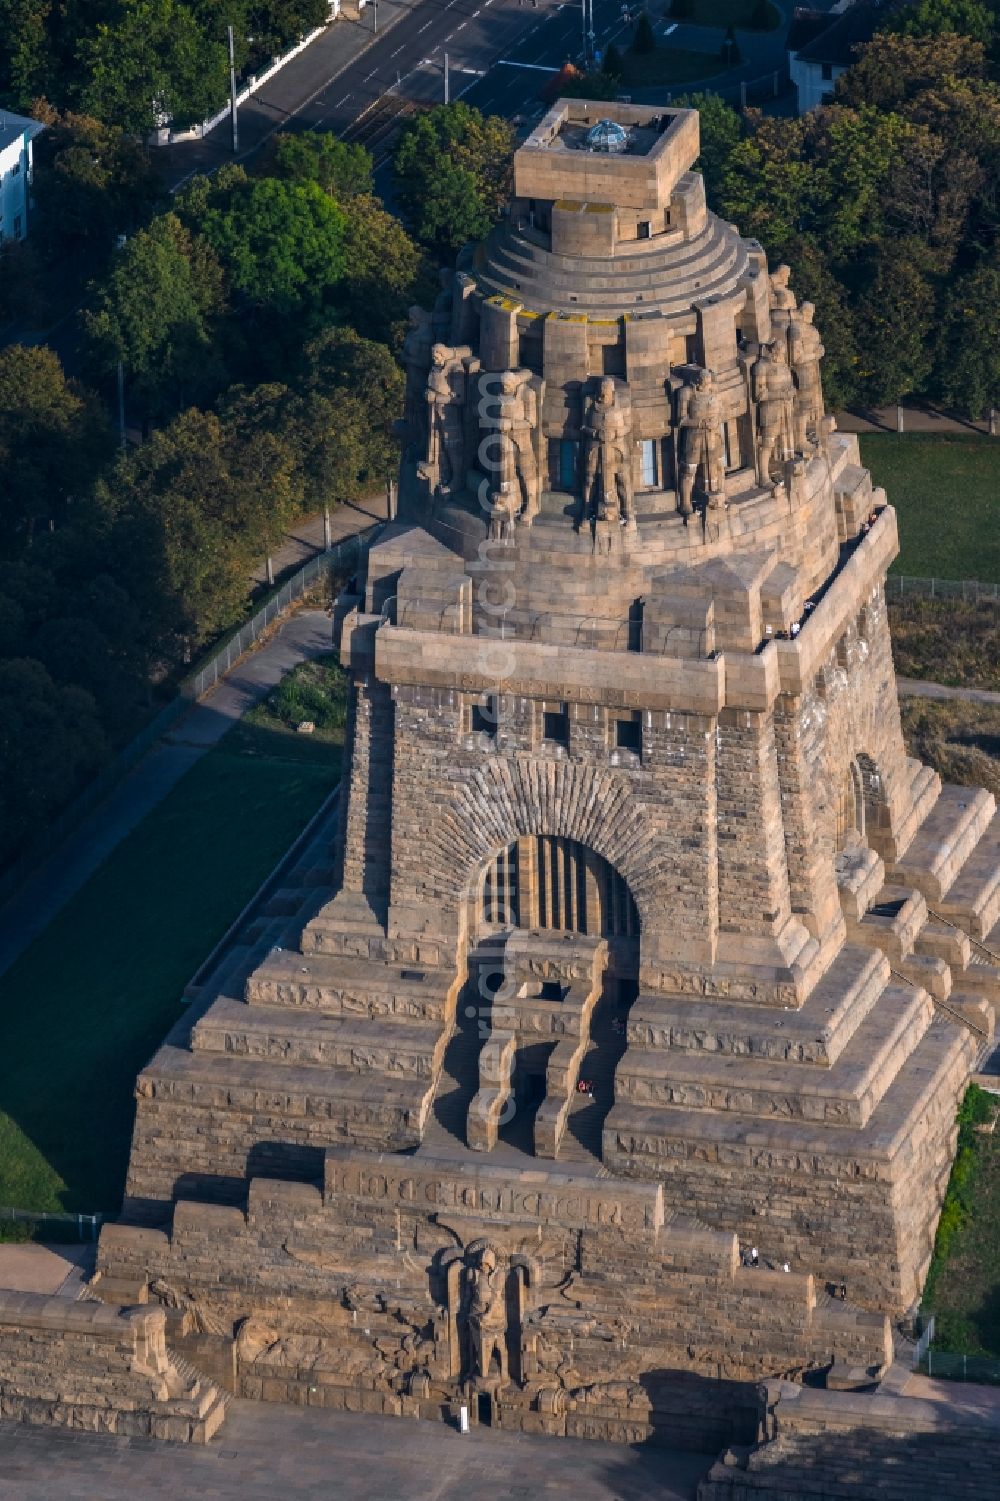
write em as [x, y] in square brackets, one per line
[915, 688]
[268, 1452]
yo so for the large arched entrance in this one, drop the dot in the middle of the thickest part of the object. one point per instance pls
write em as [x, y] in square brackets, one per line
[541, 1026]
[547, 882]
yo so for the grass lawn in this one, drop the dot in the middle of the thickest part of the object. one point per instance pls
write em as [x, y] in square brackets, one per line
[946, 491]
[85, 1007]
[723, 13]
[951, 641]
[961, 740]
[667, 65]
[963, 1285]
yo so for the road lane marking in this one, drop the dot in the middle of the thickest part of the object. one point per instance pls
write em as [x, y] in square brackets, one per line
[342, 101]
[371, 74]
[396, 53]
[505, 62]
[425, 26]
[670, 30]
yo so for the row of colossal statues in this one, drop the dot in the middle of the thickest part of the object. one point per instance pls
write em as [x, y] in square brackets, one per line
[459, 418]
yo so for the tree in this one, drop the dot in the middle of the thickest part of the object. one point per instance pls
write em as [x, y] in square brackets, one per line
[968, 358]
[53, 439]
[681, 10]
[155, 64]
[893, 70]
[934, 18]
[762, 17]
[92, 182]
[25, 62]
[721, 130]
[281, 244]
[343, 171]
[894, 321]
[191, 512]
[156, 313]
[50, 740]
[341, 365]
[277, 23]
[644, 40]
[612, 65]
[453, 172]
[383, 266]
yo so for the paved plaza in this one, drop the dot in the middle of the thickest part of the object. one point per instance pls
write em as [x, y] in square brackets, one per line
[277, 1453]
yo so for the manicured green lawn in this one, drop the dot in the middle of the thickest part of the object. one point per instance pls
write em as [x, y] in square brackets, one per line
[668, 65]
[723, 13]
[85, 1007]
[946, 491]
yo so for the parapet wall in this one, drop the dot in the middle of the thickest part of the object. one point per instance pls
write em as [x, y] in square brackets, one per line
[103, 1369]
[359, 1291]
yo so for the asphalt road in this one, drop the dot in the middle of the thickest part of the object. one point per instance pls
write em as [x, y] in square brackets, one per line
[352, 82]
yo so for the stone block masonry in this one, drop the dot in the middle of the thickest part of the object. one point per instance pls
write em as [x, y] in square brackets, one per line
[105, 1370]
[632, 957]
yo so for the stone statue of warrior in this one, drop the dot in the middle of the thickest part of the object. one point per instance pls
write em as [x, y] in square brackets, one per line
[774, 393]
[516, 420]
[782, 301]
[607, 429]
[416, 358]
[703, 447]
[487, 1317]
[806, 351]
[444, 467]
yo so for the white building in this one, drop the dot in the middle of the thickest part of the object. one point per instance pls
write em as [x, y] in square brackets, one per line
[16, 135]
[822, 43]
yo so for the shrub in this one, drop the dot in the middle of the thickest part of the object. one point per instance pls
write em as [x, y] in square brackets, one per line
[315, 691]
[612, 66]
[644, 40]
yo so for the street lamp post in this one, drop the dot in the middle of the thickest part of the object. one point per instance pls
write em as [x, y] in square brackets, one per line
[232, 91]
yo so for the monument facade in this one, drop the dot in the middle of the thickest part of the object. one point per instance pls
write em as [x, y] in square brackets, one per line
[641, 940]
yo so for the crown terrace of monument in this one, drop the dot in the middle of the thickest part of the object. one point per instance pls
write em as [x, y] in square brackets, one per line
[636, 935]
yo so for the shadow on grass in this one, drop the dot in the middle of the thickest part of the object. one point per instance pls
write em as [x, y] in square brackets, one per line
[86, 1005]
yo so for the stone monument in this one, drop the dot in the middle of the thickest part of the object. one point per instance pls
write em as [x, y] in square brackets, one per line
[639, 940]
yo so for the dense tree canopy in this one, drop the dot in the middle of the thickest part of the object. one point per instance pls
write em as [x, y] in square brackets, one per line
[116, 57]
[92, 183]
[156, 313]
[883, 202]
[50, 737]
[281, 243]
[153, 65]
[453, 174]
[53, 438]
[341, 170]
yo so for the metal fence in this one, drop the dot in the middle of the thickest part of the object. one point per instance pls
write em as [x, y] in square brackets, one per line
[923, 1343]
[345, 555]
[61, 1227]
[224, 658]
[947, 1367]
[899, 586]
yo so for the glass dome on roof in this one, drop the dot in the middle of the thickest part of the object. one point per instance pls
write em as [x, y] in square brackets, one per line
[607, 135]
